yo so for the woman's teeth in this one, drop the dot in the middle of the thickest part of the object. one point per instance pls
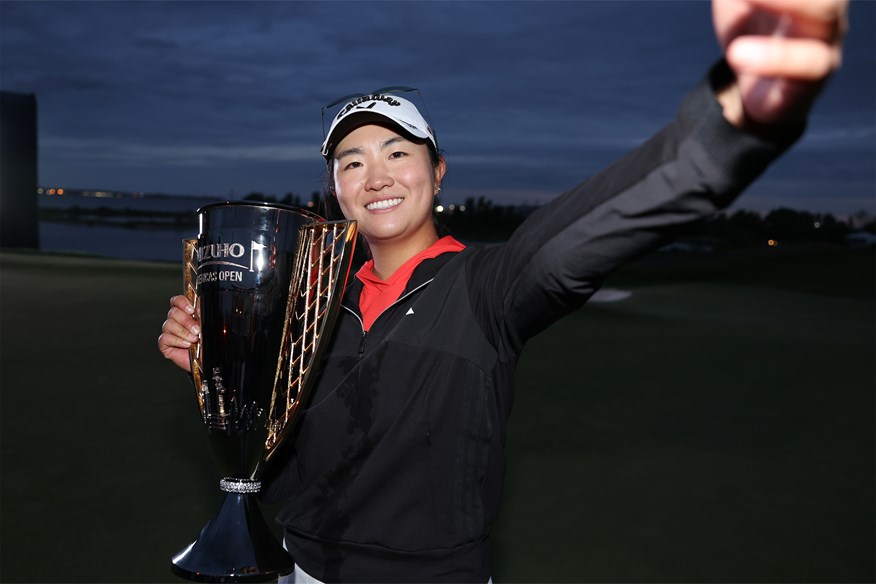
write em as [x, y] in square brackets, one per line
[385, 204]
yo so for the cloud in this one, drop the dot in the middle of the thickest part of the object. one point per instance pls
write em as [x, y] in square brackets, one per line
[841, 136]
[527, 97]
[103, 152]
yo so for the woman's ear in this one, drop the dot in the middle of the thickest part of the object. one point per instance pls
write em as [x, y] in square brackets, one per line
[440, 169]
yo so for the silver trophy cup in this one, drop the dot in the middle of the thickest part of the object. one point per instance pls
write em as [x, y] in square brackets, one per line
[266, 282]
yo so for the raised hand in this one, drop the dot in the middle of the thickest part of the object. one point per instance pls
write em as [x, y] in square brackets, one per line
[782, 52]
[179, 332]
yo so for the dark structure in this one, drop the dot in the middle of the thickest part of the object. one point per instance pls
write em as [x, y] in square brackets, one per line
[19, 212]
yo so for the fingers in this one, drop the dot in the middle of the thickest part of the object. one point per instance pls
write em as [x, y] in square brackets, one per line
[817, 10]
[178, 355]
[800, 59]
[782, 52]
[801, 41]
[824, 20]
[183, 304]
[169, 343]
[181, 324]
[180, 330]
[763, 97]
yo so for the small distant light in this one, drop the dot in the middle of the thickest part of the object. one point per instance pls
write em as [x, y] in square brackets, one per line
[462, 208]
[817, 224]
[452, 207]
[310, 204]
[772, 242]
[440, 208]
[40, 191]
[51, 191]
[60, 191]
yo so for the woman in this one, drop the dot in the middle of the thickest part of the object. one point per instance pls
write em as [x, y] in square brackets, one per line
[396, 472]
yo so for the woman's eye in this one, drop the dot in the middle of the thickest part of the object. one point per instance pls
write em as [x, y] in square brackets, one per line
[398, 154]
[352, 165]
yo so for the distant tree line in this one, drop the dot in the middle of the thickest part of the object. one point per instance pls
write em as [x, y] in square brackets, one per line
[479, 219]
[293, 199]
[786, 225]
[482, 220]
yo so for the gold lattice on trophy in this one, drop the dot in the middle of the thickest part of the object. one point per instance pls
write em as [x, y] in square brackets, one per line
[190, 277]
[322, 262]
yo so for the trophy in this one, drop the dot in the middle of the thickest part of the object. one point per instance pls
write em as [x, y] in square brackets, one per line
[266, 280]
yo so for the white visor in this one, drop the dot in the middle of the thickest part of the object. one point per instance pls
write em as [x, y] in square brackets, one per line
[377, 108]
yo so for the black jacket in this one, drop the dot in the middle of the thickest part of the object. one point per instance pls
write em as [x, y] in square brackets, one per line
[395, 472]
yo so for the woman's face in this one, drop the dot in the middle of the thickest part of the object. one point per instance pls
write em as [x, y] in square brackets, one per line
[387, 184]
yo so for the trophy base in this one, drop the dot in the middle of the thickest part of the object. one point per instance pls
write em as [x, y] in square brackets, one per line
[235, 546]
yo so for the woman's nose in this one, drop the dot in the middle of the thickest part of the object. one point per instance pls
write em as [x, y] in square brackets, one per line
[378, 178]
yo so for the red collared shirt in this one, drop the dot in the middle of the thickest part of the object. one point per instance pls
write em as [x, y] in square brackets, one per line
[378, 294]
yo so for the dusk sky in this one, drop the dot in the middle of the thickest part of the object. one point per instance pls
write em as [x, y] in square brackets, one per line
[527, 98]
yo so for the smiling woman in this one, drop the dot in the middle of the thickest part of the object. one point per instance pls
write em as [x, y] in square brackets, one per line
[387, 183]
[404, 148]
[397, 468]
[384, 169]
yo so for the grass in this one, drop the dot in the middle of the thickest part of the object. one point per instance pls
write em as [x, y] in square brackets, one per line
[717, 426]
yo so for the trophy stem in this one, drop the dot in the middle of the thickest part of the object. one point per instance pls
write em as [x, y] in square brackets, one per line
[236, 545]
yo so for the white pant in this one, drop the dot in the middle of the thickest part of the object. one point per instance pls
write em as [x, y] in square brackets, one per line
[298, 576]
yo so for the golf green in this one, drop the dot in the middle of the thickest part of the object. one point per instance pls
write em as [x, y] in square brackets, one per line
[717, 425]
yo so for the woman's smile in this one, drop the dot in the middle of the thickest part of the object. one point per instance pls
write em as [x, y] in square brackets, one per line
[384, 204]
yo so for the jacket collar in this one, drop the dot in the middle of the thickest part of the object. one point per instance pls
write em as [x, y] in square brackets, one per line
[422, 274]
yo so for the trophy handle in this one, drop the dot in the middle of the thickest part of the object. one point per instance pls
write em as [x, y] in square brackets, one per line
[322, 264]
[190, 275]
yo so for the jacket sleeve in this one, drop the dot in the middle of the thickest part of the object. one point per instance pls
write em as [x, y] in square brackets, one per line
[557, 259]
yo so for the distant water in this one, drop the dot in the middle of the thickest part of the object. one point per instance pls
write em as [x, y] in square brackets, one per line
[156, 244]
[116, 242]
[166, 203]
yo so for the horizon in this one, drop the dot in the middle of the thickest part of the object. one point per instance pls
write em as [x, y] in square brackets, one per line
[857, 217]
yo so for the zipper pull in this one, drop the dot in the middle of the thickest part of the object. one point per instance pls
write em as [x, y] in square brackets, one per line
[362, 342]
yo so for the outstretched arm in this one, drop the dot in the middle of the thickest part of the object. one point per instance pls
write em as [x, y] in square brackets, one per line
[782, 52]
[778, 55]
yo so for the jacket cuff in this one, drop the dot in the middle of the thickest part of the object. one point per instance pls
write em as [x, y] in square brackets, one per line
[742, 154]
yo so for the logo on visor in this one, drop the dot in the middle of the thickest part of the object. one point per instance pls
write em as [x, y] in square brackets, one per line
[356, 104]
